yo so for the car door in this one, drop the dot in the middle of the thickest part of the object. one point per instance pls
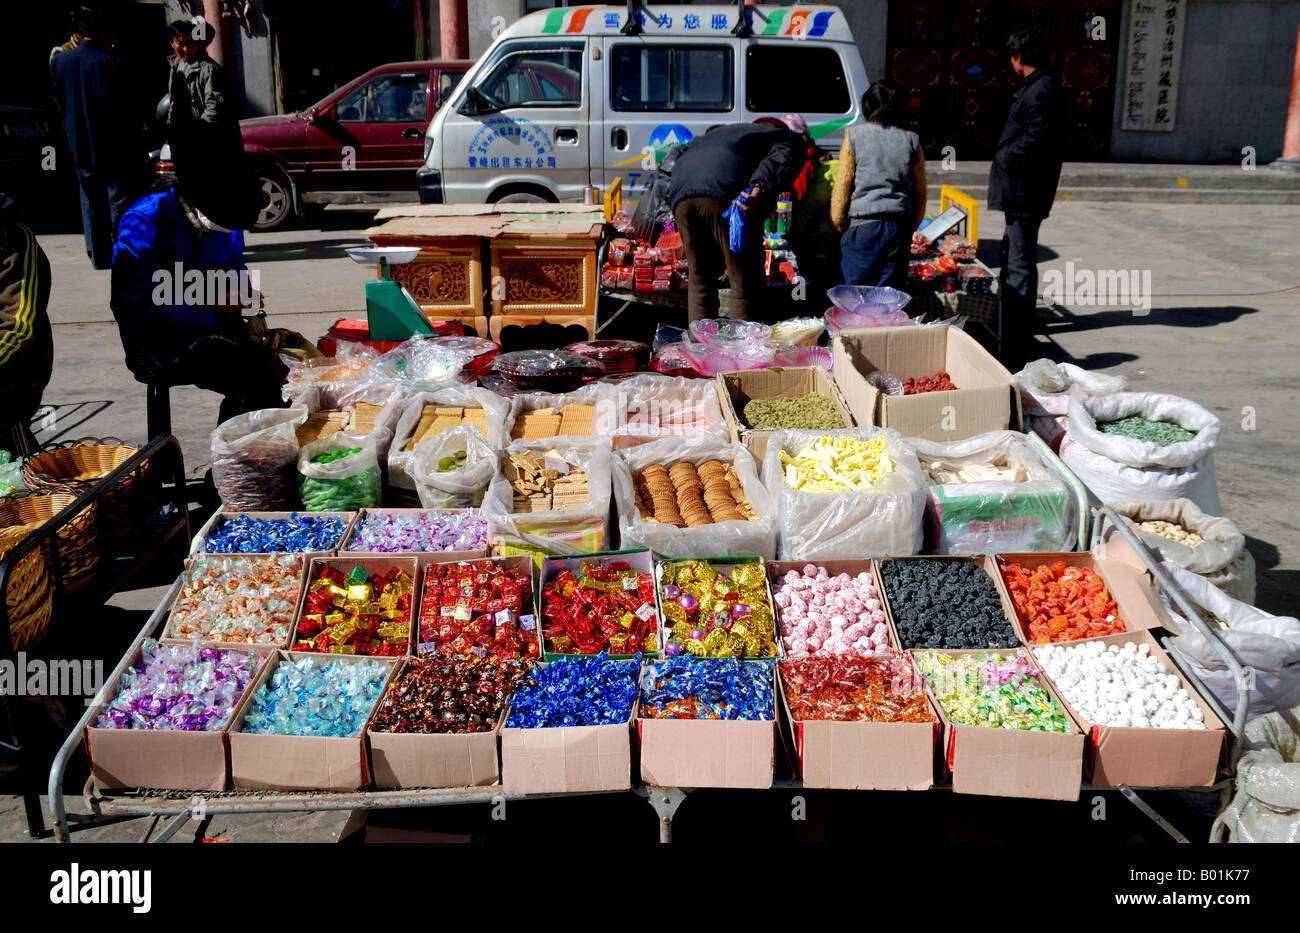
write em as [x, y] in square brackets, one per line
[371, 138]
[524, 124]
[661, 92]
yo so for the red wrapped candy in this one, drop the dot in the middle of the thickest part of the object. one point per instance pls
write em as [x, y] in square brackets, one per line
[605, 605]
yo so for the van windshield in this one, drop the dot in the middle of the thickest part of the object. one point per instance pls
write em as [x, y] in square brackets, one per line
[534, 74]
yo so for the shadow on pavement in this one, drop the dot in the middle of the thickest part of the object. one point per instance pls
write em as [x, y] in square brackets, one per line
[1066, 320]
[306, 249]
[1275, 590]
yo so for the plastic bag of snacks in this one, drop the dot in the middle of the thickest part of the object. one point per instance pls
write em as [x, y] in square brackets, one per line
[1046, 387]
[427, 414]
[349, 366]
[421, 364]
[992, 493]
[1208, 545]
[453, 469]
[253, 457]
[11, 479]
[340, 473]
[553, 499]
[1144, 429]
[718, 526]
[545, 370]
[857, 492]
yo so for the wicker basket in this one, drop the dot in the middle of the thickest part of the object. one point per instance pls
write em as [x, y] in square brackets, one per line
[79, 465]
[29, 596]
[78, 548]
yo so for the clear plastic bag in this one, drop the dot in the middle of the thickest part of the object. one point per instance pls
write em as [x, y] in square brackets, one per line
[344, 396]
[721, 539]
[886, 383]
[461, 488]
[1039, 514]
[546, 370]
[1084, 414]
[1045, 386]
[345, 484]
[253, 458]
[496, 412]
[1265, 807]
[570, 531]
[796, 331]
[349, 366]
[11, 478]
[421, 364]
[886, 521]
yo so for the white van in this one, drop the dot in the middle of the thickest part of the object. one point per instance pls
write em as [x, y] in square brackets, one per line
[571, 97]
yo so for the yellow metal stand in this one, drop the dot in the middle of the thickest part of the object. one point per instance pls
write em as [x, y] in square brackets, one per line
[970, 228]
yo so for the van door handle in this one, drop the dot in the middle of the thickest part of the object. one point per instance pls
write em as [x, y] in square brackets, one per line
[566, 134]
[618, 138]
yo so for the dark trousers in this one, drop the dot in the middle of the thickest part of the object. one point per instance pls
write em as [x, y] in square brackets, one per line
[1018, 285]
[104, 199]
[242, 370]
[706, 237]
[876, 252]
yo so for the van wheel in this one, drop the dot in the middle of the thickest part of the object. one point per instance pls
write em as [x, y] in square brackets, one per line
[276, 201]
[522, 197]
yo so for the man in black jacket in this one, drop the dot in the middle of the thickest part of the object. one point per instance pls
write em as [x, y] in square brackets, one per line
[761, 159]
[1022, 183]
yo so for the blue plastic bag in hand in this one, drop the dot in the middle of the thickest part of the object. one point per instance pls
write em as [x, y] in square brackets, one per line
[736, 219]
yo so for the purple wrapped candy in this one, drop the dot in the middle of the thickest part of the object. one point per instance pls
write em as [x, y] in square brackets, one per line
[687, 602]
[673, 648]
[671, 592]
[431, 530]
[697, 634]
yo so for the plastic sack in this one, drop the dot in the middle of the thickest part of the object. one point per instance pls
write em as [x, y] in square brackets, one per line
[253, 458]
[1268, 646]
[346, 484]
[1265, 805]
[421, 364]
[1222, 559]
[496, 412]
[1084, 414]
[1040, 514]
[462, 488]
[1108, 480]
[721, 539]
[582, 530]
[11, 479]
[886, 521]
[737, 227]
[344, 396]
[349, 365]
[1045, 386]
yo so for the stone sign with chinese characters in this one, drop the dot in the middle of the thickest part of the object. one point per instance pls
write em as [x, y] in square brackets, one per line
[1155, 47]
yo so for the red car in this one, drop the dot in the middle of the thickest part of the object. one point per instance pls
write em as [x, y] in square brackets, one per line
[363, 142]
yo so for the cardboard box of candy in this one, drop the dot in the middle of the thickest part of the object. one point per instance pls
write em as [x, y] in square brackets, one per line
[735, 389]
[857, 604]
[223, 598]
[708, 752]
[1002, 761]
[159, 742]
[419, 525]
[439, 721]
[697, 619]
[273, 533]
[358, 604]
[481, 607]
[614, 609]
[275, 761]
[554, 759]
[1161, 754]
[836, 744]
[971, 623]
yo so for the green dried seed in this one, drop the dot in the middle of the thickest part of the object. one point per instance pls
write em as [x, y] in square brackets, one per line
[812, 412]
[1163, 433]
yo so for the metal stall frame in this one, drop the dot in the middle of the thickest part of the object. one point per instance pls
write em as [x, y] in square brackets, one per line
[181, 807]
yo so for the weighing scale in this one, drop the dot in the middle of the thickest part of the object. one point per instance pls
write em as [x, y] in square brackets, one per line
[390, 310]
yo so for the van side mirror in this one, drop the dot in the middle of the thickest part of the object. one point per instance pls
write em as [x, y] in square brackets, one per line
[476, 102]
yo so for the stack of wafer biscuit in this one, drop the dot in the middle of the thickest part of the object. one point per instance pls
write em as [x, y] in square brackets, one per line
[363, 417]
[688, 496]
[539, 488]
[323, 423]
[572, 420]
[434, 419]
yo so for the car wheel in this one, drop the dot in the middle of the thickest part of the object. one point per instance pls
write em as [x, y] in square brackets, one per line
[276, 203]
[522, 197]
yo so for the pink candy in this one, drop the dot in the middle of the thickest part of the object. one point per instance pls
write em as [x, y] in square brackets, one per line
[825, 614]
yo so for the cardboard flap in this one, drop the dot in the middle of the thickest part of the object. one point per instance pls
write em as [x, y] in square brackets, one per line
[1011, 763]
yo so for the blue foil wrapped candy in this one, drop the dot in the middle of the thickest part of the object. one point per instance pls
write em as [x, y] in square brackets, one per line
[688, 687]
[577, 691]
[317, 697]
[297, 534]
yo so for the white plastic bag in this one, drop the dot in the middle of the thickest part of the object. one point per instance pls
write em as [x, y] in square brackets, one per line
[1039, 514]
[343, 396]
[1085, 413]
[495, 412]
[721, 539]
[347, 484]
[1222, 559]
[1265, 806]
[887, 521]
[1108, 480]
[570, 531]
[1267, 646]
[253, 458]
[420, 364]
[1045, 387]
[461, 488]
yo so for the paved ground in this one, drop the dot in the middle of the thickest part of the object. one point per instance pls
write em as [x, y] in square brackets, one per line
[1222, 330]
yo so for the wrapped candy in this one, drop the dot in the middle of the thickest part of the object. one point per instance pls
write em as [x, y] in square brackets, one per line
[436, 530]
[480, 608]
[180, 687]
[855, 688]
[821, 614]
[992, 689]
[325, 696]
[449, 695]
[604, 606]
[712, 615]
[297, 534]
[357, 612]
[238, 599]
[705, 688]
[576, 691]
